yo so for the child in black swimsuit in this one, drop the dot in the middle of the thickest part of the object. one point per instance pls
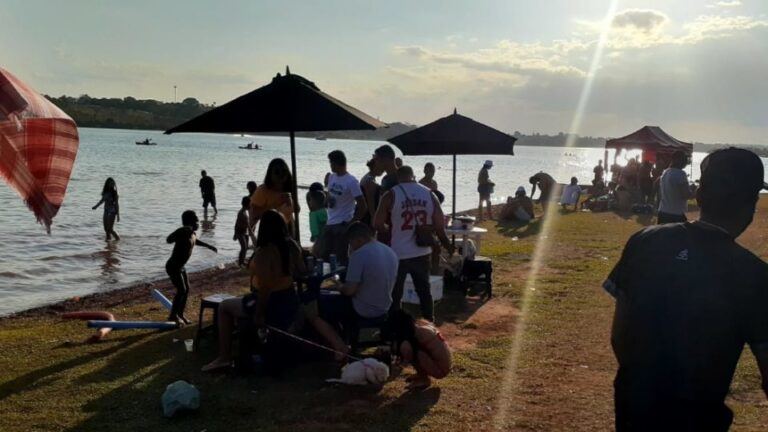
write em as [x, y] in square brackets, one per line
[184, 240]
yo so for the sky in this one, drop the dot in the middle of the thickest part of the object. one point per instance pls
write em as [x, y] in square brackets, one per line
[699, 69]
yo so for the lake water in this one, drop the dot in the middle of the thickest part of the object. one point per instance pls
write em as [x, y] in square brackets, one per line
[157, 183]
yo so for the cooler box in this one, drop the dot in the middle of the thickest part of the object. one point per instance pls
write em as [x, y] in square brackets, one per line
[409, 292]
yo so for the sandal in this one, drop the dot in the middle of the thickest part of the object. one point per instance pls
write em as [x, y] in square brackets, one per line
[216, 366]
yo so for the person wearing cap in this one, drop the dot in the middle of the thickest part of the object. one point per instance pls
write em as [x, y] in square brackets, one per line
[688, 298]
[674, 190]
[519, 208]
[485, 189]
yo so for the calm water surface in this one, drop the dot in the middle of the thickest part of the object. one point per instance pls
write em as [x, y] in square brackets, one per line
[157, 183]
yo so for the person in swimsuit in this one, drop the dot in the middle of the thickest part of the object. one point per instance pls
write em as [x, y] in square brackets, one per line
[420, 343]
[109, 198]
[184, 240]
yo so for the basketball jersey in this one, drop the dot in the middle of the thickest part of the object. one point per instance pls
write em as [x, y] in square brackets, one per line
[412, 203]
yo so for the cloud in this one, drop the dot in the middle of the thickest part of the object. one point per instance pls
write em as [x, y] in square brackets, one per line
[724, 4]
[643, 20]
[707, 71]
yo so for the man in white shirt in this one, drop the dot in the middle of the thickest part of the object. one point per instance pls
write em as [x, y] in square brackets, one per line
[674, 190]
[345, 205]
[571, 194]
[408, 206]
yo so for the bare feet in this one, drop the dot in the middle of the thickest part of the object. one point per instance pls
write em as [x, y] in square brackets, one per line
[117, 237]
[218, 364]
[418, 382]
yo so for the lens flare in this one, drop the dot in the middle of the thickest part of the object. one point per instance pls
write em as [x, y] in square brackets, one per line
[543, 243]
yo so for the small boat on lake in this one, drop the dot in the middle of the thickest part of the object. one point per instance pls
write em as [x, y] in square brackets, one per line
[250, 146]
[146, 141]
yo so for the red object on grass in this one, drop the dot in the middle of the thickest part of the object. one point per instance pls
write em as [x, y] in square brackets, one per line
[92, 315]
[38, 146]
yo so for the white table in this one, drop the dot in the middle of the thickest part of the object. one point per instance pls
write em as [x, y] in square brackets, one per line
[475, 234]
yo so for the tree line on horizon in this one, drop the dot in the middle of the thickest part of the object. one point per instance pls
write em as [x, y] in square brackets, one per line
[150, 114]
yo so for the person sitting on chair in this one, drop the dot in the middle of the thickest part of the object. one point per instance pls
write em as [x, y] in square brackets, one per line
[371, 275]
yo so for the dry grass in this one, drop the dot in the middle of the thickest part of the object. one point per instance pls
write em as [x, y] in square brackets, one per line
[50, 381]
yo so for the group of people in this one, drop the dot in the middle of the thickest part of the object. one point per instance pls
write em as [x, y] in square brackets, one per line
[381, 232]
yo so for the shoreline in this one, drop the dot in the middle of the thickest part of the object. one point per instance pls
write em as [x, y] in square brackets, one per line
[139, 291]
[133, 293]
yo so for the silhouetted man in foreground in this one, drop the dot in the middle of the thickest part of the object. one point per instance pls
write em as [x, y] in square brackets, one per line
[688, 298]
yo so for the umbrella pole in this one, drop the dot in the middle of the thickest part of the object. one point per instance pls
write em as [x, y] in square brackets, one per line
[453, 200]
[295, 189]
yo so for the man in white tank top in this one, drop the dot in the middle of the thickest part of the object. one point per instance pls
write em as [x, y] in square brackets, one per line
[409, 205]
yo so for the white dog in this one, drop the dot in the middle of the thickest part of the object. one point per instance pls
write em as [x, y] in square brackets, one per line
[363, 372]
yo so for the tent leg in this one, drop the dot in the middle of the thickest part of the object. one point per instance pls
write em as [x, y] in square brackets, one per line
[295, 189]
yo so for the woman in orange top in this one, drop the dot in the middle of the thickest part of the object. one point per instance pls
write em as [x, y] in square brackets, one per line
[274, 193]
[421, 344]
[274, 266]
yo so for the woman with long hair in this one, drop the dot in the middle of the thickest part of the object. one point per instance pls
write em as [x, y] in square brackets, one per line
[110, 199]
[421, 344]
[274, 267]
[274, 193]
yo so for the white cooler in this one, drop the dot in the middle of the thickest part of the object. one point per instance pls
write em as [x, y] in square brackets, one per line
[409, 292]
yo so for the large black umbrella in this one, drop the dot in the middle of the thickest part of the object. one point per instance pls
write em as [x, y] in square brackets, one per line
[452, 135]
[290, 103]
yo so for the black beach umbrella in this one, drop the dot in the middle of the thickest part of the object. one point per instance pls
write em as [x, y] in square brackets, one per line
[290, 103]
[455, 135]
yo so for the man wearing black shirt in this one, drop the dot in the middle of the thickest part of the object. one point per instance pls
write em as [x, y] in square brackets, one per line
[207, 189]
[688, 298]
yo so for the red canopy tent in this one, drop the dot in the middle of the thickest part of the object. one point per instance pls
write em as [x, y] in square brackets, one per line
[653, 141]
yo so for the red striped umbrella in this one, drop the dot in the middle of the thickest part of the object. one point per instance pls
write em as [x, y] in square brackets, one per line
[38, 146]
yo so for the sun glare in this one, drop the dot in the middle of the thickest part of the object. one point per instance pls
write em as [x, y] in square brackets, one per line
[509, 384]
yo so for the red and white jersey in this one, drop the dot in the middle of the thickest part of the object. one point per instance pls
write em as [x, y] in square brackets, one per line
[412, 203]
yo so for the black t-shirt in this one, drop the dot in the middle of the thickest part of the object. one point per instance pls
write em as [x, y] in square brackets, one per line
[206, 185]
[688, 298]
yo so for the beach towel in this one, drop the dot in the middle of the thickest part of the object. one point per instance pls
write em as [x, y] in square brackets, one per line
[38, 146]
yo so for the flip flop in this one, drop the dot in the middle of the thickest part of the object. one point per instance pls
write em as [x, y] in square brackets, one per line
[213, 367]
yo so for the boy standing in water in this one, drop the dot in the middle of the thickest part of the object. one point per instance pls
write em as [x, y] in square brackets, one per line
[184, 239]
[242, 229]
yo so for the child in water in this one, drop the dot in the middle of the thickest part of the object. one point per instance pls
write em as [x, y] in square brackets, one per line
[420, 343]
[242, 229]
[184, 239]
[110, 199]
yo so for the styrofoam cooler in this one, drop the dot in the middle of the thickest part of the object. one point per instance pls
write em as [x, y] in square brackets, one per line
[409, 292]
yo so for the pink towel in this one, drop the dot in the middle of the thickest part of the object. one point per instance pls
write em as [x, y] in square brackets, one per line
[38, 146]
